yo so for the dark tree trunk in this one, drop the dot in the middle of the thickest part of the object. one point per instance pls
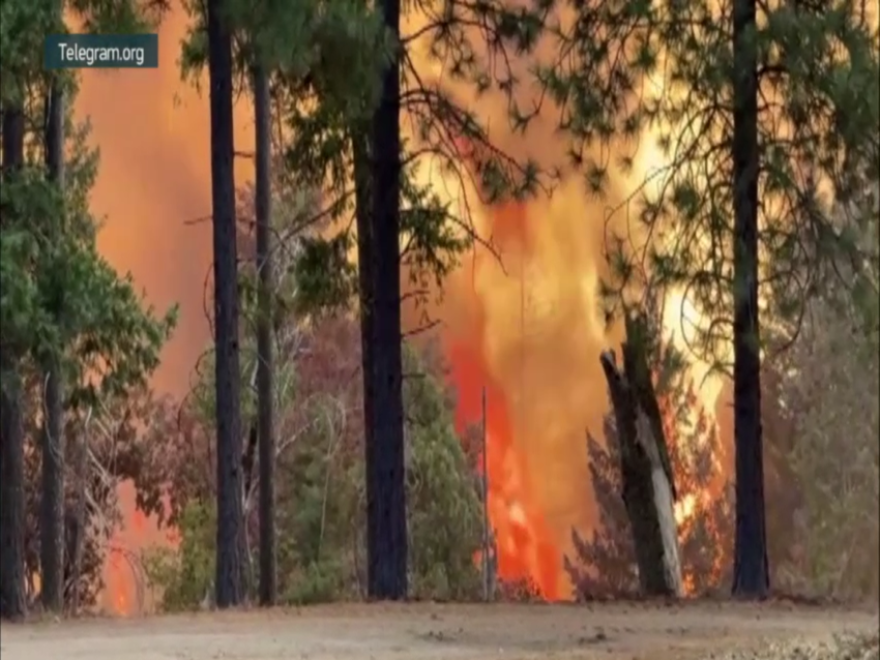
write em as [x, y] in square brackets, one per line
[13, 600]
[363, 191]
[77, 521]
[265, 364]
[751, 578]
[386, 499]
[646, 476]
[52, 492]
[230, 569]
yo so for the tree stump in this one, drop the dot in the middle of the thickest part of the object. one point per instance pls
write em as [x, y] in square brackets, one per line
[646, 475]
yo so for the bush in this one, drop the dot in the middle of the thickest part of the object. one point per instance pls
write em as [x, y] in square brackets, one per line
[320, 489]
[183, 577]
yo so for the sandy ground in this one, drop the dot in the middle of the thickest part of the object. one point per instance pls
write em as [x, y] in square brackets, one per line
[438, 632]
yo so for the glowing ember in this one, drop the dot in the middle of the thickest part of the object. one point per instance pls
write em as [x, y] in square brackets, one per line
[685, 507]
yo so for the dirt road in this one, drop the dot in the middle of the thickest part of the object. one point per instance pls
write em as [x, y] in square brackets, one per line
[437, 632]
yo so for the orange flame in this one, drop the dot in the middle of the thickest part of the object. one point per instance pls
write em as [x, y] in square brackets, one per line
[524, 548]
[525, 545]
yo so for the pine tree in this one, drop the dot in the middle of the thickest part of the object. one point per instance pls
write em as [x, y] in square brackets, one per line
[66, 312]
[53, 445]
[265, 364]
[230, 523]
[12, 585]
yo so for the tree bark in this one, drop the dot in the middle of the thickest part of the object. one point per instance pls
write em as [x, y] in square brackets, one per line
[751, 577]
[386, 499]
[77, 526]
[647, 480]
[265, 364]
[13, 600]
[363, 191]
[52, 492]
[230, 567]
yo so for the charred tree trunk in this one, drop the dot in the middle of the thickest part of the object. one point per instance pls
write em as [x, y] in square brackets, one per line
[265, 364]
[751, 576]
[13, 600]
[647, 479]
[386, 498]
[230, 569]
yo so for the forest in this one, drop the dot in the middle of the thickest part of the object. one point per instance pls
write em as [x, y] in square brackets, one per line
[337, 442]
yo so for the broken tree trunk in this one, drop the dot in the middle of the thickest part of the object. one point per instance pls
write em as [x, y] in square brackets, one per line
[647, 481]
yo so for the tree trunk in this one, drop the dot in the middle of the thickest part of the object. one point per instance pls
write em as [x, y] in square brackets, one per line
[751, 577]
[647, 480]
[52, 492]
[230, 567]
[363, 191]
[386, 499]
[77, 527]
[13, 600]
[265, 364]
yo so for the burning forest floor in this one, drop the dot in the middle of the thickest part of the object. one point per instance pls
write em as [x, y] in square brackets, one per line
[612, 631]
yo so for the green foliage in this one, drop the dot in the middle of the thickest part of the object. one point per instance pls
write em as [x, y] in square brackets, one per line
[185, 575]
[626, 69]
[320, 493]
[23, 26]
[63, 298]
[326, 112]
[60, 298]
[445, 515]
[325, 58]
[325, 276]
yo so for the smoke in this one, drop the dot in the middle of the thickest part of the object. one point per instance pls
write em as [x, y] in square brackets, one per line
[154, 187]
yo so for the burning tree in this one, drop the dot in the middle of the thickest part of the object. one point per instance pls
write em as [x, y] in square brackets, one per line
[604, 564]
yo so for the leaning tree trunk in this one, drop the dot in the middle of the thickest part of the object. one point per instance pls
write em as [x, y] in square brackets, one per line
[52, 492]
[751, 575]
[647, 480]
[13, 601]
[230, 565]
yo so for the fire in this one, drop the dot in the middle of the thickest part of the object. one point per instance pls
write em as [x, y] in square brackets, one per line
[685, 508]
[125, 592]
[529, 331]
[525, 550]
